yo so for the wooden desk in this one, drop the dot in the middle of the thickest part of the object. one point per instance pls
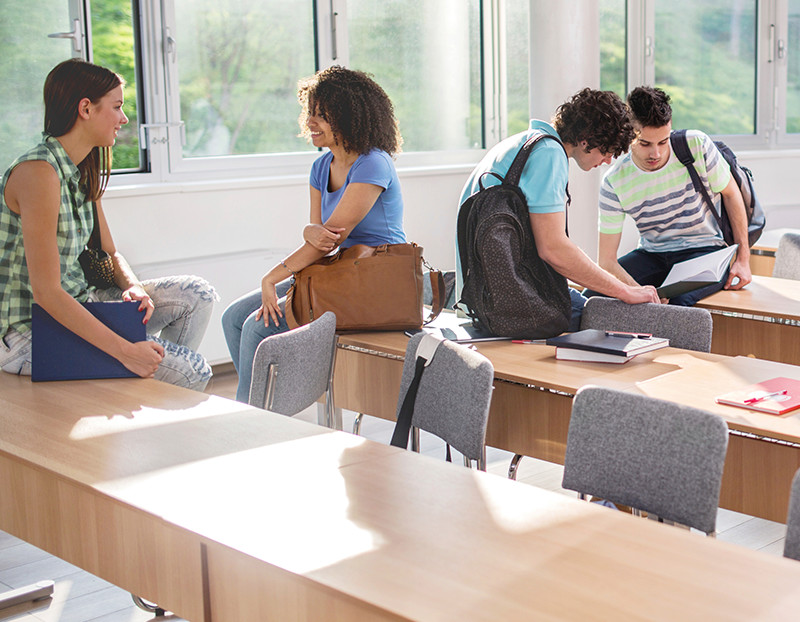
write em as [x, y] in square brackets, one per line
[223, 512]
[763, 319]
[532, 402]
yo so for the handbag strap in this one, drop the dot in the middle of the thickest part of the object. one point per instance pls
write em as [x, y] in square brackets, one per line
[438, 290]
[680, 146]
[94, 238]
[426, 349]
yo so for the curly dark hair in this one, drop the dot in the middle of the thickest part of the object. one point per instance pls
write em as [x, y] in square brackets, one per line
[650, 106]
[360, 113]
[598, 117]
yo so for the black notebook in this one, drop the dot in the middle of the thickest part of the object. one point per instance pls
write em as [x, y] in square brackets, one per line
[614, 343]
[59, 354]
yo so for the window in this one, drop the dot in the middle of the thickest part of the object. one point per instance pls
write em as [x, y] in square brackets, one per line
[238, 65]
[26, 62]
[731, 67]
[793, 68]
[612, 46]
[211, 84]
[426, 55]
[705, 58]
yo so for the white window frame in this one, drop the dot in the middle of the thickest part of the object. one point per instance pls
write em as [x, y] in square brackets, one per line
[163, 127]
[771, 69]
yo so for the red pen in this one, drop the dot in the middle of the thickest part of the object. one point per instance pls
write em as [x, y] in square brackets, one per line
[539, 342]
[766, 396]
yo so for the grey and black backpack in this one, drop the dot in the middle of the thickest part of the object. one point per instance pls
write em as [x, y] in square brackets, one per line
[508, 289]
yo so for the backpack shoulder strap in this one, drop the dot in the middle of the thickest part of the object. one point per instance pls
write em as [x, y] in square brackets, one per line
[515, 170]
[680, 145]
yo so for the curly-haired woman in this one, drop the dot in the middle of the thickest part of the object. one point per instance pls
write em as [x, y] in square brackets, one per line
[355, 199]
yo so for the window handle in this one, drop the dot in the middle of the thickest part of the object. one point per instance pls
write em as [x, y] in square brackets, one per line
[334, 50]
[75, 35]
[771, 44]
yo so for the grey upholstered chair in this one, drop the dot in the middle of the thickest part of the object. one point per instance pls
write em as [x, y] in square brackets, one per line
[787, 257]
[791, 547]
[453, 398]
[653, 455]
[292, 370]
[685, 327]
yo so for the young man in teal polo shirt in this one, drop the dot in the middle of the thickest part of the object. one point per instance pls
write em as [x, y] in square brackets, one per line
[594, 127]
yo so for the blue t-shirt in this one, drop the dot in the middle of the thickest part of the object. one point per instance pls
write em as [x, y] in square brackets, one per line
[383, 224]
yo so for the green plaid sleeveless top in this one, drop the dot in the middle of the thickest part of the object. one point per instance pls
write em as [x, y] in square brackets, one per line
[72, 234]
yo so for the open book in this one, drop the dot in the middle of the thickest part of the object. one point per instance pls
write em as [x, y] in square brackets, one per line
[698, 272]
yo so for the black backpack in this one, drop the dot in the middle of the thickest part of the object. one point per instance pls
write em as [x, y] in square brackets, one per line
[508, 289]
[741, 175]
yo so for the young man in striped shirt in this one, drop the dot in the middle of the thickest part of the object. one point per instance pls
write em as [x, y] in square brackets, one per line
[673, 219]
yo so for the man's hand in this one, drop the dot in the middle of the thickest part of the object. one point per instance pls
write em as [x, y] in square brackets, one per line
[638, 294]
[739, 269]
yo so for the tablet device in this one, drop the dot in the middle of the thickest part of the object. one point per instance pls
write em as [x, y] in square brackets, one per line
[59, 354]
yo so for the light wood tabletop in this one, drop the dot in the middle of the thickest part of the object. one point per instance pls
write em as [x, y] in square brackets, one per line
[224, 512]
[762, 320]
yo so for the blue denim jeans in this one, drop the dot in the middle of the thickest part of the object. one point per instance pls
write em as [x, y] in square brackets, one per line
[578, 301]
[183, 306]
[243, 333]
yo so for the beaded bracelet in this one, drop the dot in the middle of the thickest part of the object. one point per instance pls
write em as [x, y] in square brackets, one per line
[283, 263]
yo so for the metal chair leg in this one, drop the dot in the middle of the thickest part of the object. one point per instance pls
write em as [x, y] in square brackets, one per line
[357, 423]
[147, 605]
[512, 468]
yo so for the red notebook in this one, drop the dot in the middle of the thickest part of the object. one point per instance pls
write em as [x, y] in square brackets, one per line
[775, 396]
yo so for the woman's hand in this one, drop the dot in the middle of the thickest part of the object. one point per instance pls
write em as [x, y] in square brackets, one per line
[136, 292]
[269, 308]
[142, 357]
[323, 238]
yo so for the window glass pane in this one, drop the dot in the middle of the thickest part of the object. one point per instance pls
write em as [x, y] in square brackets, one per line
[705, 59]
[612, 46]
[113, 46]
[26, 57]
[517, 65]
[793, 79]
[239, 63]
[426, 56]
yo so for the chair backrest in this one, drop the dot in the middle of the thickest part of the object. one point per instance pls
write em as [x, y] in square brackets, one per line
[653, 455]
[791, 546]
[453, 396]
[685, 327]
[787, 257]
[292, 370]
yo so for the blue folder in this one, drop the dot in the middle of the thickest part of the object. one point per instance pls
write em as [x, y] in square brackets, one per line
[59, 354]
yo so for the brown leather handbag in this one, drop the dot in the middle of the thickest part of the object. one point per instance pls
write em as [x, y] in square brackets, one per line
[367, 287]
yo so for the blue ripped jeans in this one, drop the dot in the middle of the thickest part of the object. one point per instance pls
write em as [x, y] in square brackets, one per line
[183, 306]
[243, 333]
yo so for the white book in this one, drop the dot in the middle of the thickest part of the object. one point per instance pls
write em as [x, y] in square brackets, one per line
[698, 272]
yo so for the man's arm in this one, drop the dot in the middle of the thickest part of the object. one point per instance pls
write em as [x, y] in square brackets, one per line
[734, 206]
[557, 249]
[608, 245]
